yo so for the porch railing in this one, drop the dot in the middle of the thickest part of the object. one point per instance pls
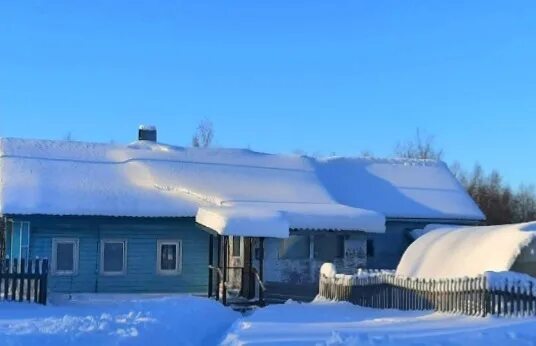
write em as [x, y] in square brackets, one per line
[24, 280]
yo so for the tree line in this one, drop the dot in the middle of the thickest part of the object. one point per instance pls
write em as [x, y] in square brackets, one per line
[498, 201]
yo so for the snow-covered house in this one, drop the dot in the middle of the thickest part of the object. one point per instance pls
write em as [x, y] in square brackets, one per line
[456, 252]
[148, 216]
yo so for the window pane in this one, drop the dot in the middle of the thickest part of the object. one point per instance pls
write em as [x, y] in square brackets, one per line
[329, 247]
[236, 246]
[294, 247]
[25, 234]
[113, 257]
[168, 257]
[16, 240]
[65, 257]
[370, 248]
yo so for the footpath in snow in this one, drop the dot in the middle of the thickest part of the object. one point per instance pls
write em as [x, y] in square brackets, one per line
[184, 320]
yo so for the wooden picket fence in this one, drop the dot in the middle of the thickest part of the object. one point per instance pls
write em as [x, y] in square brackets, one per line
[24, 280]
[479, 296]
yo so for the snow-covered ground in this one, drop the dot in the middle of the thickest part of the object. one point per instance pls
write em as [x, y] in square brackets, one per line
[346, 324]
[116, 320]
[184, 320]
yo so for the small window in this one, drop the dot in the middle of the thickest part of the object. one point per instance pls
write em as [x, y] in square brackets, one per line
[64, 256]
[19, 246]
[169, 254]
[328, 247]
[113, 257]
[370, 248]
[295, 247]
[236, 244]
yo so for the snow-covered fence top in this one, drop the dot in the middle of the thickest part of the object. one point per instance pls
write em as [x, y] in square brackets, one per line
[502, 293]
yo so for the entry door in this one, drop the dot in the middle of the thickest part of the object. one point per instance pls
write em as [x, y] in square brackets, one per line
[235, 264]
[240, 275]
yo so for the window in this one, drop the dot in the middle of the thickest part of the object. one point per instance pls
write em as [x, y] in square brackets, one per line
[328, 247]
[236, 247]
[169, 254]
[113, 257]
[295, 247]
[19, 246]
[370, 248]
[64, 256]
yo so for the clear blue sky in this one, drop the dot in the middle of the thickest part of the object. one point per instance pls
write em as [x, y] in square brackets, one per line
[276, 76]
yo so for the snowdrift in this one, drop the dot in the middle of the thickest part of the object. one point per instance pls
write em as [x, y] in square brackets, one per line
[455, 252]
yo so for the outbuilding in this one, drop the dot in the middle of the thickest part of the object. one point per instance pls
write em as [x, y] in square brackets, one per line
[457, 252]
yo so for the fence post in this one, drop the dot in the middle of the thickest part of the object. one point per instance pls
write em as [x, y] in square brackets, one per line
[43, 286]
[22, 275]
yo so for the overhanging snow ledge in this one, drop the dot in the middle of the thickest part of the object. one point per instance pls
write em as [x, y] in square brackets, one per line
[269, 221]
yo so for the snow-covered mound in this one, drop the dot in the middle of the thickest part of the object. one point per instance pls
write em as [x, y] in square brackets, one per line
[116, 320]
[455, 252]
[232, 186]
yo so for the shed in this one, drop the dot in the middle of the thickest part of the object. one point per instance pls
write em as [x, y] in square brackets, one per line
[455, 252]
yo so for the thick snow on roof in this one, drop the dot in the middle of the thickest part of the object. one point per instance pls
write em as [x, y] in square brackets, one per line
[465, 251]
[150, 179]
[156, 180]
[275, 220]
[398, 188]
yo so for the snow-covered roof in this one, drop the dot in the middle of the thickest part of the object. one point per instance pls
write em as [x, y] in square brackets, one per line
[225, 185]
[256, 219]
[398, 188]
[454, 252]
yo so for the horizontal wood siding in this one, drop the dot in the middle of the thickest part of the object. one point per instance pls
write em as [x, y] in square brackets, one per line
[141, 235]
[390, 246]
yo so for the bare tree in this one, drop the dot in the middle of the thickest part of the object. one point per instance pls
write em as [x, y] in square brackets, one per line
[366, 154]
[204, 134]
[68, 136]
[419, 147]
[525, 204]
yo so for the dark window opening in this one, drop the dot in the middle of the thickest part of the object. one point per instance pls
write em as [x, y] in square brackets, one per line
[328, 247]
[295, 247]
[370, 248]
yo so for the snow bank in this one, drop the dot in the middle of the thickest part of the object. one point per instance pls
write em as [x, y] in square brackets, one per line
[465, 251]
[117, 321]
[346, 324]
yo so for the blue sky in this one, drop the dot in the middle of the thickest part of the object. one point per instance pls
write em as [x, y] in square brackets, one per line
[277, 76]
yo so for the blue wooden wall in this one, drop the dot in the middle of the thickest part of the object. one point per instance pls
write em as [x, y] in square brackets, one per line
[390, 246]
[141, 234]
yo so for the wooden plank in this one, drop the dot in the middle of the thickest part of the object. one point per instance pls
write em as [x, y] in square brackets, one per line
[22, 276]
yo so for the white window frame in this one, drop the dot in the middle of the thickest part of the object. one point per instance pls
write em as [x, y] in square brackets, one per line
[125, 247]
[55, 242]
[178, 260]
[241, 250]
[20, 246]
